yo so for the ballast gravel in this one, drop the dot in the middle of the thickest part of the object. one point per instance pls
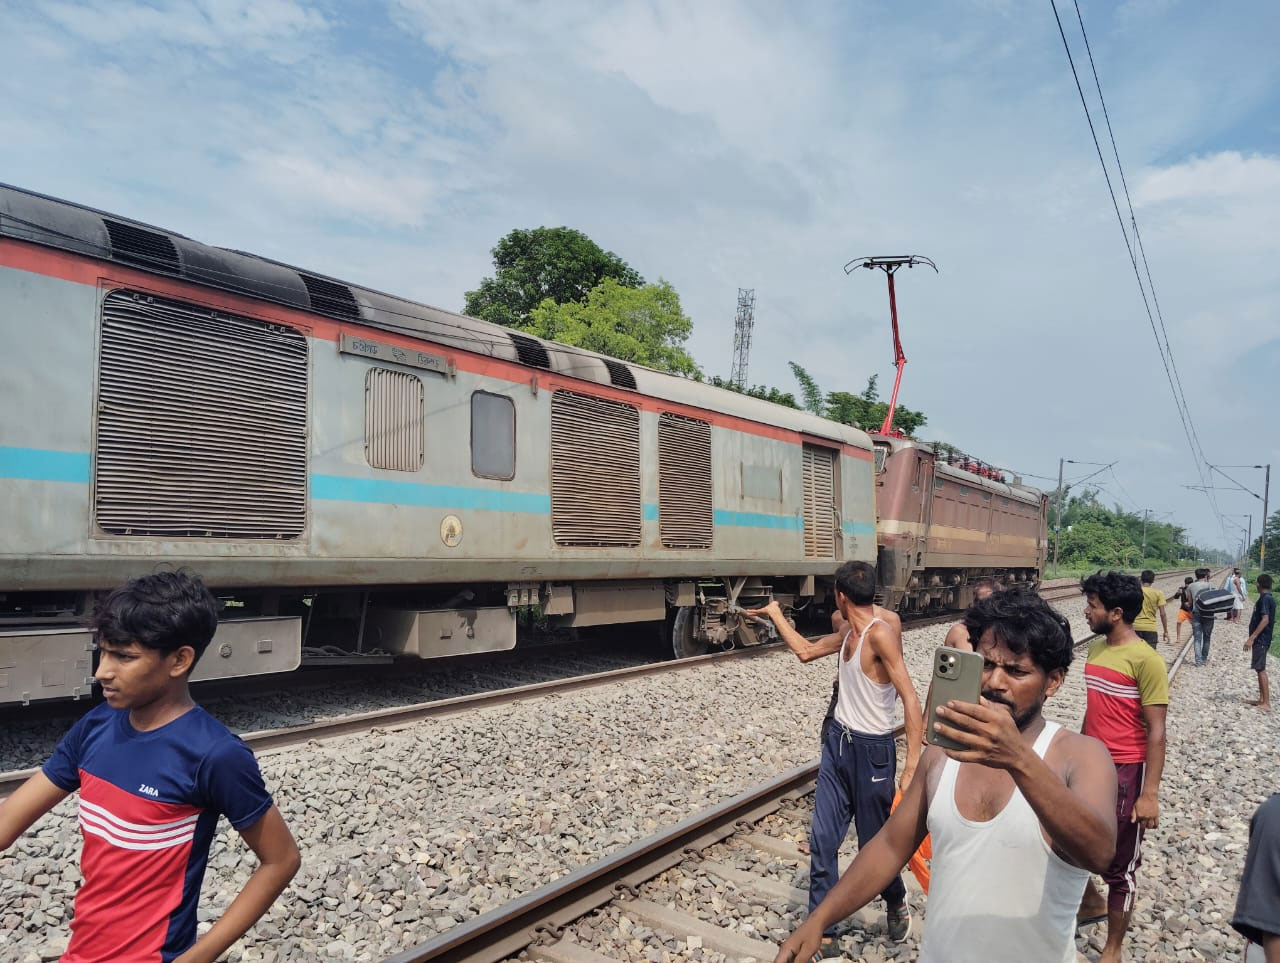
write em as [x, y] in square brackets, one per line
[405, 834]
[27, 742]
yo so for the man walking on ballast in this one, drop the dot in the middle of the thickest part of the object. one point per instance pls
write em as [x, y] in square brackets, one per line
[859, 757]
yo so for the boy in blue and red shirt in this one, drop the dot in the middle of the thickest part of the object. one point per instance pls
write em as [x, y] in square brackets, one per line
[154, 772]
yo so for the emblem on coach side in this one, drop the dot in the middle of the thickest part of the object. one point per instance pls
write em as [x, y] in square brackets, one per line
[451, 531]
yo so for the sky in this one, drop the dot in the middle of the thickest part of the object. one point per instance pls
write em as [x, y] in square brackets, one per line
[718, 145]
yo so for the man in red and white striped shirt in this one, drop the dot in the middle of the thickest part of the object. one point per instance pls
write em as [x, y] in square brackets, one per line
[1127, 697]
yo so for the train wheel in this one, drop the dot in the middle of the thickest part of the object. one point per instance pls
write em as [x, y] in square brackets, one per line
[683, 643]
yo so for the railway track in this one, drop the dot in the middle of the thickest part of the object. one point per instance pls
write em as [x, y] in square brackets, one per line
[568, 952]
[535, 925]
[268, 740]
[1055, 590]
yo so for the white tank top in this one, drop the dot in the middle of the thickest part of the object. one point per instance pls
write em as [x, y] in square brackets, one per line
[863, 705]
[998, 893]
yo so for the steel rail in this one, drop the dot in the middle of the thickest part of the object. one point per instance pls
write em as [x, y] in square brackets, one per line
[1072, 580]
[269, 740]
[543, 913]
[507, 930]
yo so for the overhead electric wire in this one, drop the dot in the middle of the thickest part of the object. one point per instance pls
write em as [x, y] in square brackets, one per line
[1239, 487]
[1142, 251]
[1098, 472]
[1166, 358]
[1125, 491]
[1133, 220]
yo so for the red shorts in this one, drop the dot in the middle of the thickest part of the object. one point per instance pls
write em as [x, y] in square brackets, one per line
[1120, 875]
[1184, 616]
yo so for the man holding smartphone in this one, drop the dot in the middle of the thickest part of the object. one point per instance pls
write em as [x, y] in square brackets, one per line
[859, 756]
[1019, 817]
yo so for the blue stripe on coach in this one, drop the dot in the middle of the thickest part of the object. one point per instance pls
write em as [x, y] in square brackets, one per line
[340, 488]
[788, 523]
[418, 494]
[43, 464]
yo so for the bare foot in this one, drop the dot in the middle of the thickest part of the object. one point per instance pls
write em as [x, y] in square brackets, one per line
[1264, 706]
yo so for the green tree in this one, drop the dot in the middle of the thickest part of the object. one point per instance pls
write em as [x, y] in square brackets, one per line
[532, 266]
[1093, 542]
[809, 390]
[1272, 535]
[645, 325]
[1093, 534]
[867, 411]
[778, 397]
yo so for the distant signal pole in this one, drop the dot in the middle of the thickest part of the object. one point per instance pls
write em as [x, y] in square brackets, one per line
[890, 265]
[743, 322]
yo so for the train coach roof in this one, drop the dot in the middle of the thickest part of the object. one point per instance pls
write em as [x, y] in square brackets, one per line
[1017, 490]
[1020, 492]
[37, 218]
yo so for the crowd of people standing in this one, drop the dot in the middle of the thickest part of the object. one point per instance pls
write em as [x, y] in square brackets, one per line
[1024, 812]
[1019, 811]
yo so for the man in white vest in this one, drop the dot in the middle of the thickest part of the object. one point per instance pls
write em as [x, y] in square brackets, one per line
[1019, 818]
[859, 757]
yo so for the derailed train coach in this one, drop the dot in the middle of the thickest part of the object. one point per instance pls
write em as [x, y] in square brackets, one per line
[946, 521]
[354, 473]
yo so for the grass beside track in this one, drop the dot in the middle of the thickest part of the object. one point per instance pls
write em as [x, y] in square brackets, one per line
[1080, 571]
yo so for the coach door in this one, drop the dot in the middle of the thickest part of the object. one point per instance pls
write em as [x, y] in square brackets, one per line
[821, 510]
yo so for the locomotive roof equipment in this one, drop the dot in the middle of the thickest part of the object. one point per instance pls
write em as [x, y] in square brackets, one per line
[890, 265]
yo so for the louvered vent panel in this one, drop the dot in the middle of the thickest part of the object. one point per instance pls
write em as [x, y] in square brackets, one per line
[685, 518]
[330, 297]
[595, 471]
[137, 246]
[819, 503]
[530, 352]
[620, 374]
[202, 422]
[393, 420]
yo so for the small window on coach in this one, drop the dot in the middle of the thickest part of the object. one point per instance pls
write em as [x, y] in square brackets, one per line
[493, 436]
[394, 429]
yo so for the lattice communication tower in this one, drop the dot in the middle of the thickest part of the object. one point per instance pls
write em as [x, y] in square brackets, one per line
[742, 323]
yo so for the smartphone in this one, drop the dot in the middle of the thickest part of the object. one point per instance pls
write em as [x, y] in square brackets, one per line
[956, 675]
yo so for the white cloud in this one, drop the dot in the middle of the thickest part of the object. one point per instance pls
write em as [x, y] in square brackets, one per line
[1227, 174]
[392, 200]
[719, 145]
